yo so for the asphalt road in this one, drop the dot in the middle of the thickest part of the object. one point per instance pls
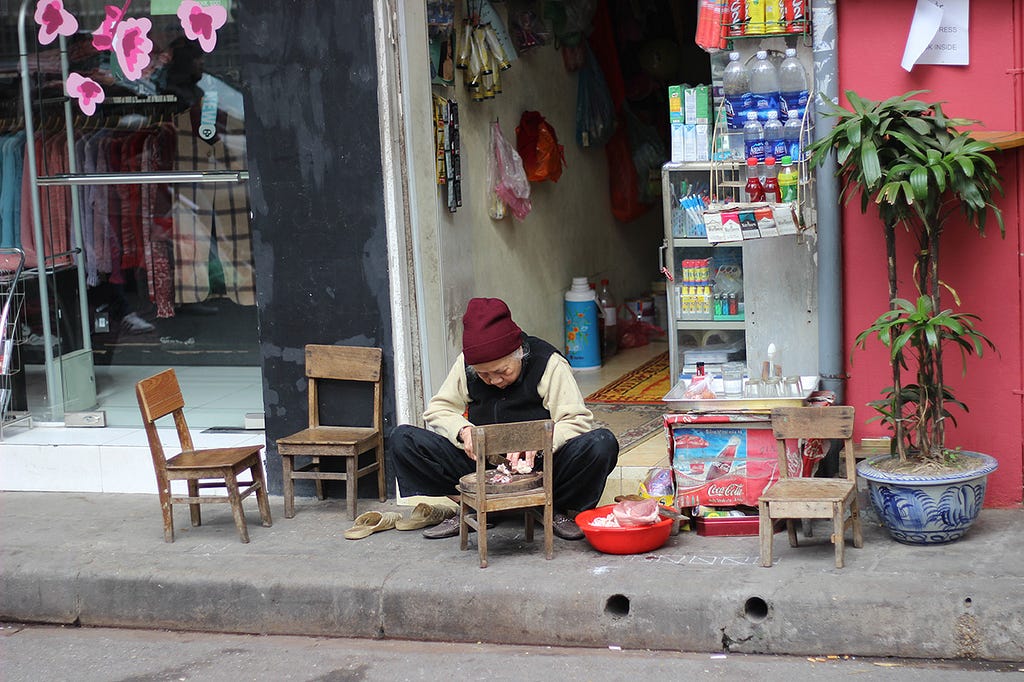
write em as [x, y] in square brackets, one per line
[33, 653]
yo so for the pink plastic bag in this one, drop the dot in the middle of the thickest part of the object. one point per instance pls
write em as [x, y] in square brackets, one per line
[509, 178]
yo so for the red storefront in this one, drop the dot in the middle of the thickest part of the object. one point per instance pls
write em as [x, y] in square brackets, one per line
[985, 272]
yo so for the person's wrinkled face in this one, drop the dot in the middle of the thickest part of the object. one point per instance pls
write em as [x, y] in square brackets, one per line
[501, 372]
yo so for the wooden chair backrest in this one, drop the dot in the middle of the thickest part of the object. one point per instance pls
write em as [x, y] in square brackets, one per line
[834, 422]
[499, 439]
[344, 363]
[159, 396]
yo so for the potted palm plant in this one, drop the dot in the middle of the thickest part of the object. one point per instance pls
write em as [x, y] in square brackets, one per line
[910, 160]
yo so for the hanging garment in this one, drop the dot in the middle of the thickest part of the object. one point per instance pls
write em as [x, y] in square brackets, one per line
[13, 153]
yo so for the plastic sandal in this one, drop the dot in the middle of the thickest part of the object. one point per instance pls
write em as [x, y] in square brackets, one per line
[371, 522]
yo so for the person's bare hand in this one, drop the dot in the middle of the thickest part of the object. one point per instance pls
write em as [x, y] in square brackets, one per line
[467, 441]
[528, 456]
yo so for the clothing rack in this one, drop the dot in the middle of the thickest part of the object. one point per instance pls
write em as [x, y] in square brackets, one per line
[12, 296]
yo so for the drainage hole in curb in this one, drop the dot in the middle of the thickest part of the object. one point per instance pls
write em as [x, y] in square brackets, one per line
[617, 606]
[967, 602]
[755, 609]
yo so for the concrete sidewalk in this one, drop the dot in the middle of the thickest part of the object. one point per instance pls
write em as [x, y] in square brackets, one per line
[100, 560]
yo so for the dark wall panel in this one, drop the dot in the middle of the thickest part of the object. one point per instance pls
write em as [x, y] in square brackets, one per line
[312, 128]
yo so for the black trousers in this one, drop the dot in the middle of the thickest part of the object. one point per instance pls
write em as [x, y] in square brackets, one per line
[428, 464]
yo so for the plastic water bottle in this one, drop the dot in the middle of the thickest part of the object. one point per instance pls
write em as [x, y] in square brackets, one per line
[791, 135]
[609, 321]
[764, 86]
[753, 137]
[774, 137]
[793, 86]
[788, 180]
[736, 90]
[582, 340]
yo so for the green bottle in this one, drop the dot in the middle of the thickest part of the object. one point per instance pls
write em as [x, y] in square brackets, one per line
[788, 180]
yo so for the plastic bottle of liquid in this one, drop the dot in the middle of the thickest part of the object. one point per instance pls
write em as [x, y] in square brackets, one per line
[753, 137]
[793, 86]
[791, 135]
[736, 90]
[774, 137]
[755, 190]
[764, 86]
[609, 321]
[771, 184]
[788, 180]
[582, 341]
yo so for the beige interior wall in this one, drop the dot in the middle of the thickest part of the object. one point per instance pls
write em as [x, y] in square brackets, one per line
[570, 231]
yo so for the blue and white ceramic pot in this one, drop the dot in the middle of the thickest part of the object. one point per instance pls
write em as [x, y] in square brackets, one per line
[927, 509]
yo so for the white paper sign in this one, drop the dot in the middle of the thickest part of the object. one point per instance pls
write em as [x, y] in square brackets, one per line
[938, 34]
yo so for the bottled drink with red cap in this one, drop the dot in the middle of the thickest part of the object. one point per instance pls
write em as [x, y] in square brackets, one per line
[771, 182]
[754, 188]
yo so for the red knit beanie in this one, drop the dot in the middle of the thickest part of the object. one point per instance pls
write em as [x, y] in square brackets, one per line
[488, 332]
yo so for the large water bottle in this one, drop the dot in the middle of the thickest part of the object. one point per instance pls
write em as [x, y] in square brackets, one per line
[793, 86]
[774, 137]
[791, 134]
[736, 90]
[582, 335]
[753, 137]
[764, 86]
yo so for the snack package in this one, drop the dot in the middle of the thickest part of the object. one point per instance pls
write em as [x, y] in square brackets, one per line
[700, 389]
[658, 485]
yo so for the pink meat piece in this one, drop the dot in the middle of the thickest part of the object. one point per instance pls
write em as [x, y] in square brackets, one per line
[636, 512]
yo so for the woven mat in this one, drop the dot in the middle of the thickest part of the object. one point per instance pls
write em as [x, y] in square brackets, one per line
[631, 424]
[645, 385]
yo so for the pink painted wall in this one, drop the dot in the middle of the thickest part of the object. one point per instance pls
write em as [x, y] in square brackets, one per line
[986, 272]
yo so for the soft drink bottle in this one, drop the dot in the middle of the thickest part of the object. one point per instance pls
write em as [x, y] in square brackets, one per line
[791, 135]
[754, 188]
[764, 86]
[609, 321]
[771, 183]
[774, 137]
[788, 180]
[753, 137]
[793, 85]
[723, 461]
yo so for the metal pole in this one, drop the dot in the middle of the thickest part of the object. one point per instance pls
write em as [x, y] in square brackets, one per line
[52, 387]
[830, 245]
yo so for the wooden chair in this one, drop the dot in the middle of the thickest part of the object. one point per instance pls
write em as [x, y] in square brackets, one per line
[346, 364]
[500, 439]
[812, 498]
[159, 396]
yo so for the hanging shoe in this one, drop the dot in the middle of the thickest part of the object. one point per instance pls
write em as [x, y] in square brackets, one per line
[133, 324]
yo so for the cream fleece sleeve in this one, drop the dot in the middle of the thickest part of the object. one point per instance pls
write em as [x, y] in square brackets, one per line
[562, 398]
[445, 411]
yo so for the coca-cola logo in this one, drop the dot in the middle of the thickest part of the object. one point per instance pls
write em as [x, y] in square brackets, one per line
[728, 490]
[737, 11]
[798, 9]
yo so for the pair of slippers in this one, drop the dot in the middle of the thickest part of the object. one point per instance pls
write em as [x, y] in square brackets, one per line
[422, 515]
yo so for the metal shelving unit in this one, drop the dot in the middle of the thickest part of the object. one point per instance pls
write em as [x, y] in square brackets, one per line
[12, 296]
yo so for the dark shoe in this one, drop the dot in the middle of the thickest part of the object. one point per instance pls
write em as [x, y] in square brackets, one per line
[448, 528]
[565, 528]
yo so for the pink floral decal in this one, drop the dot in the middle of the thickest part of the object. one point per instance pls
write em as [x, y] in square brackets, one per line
[201, 23]
[132, 46]
[103, 37]
[54, 21]
[87, 91]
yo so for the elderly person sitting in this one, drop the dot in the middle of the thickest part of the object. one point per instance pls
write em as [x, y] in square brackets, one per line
[504, 375]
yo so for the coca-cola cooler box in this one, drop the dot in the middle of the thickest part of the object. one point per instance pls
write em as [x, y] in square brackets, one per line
[727, 459]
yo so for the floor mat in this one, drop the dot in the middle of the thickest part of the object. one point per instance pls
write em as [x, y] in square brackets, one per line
[645, 385]
[631, 424]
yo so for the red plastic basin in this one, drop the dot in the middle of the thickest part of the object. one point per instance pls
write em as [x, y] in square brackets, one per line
[623, 540]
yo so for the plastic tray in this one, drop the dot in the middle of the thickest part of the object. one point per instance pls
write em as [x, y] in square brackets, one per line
[732, 525]
[677, 402]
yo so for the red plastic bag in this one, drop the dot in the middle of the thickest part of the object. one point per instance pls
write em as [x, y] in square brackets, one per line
[537, 144]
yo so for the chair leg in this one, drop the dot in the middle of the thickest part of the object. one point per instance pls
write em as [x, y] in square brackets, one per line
[261, 493]
[791, 531]
[231, 483]
[549, 531]
[351, 484]
[858, 535]
[193, 509]
[764, 529]
[167, 509]
[807, 528]
[481, 535]
[287, 466]
[463, 526]
[838, 532]
[382, 485]
[528, 521]
[319, 484]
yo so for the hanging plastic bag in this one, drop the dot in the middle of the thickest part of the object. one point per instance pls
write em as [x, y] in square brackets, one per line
[511, 185]
[495, 206]
[648, 157]
[595, 112]
[538, 147]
